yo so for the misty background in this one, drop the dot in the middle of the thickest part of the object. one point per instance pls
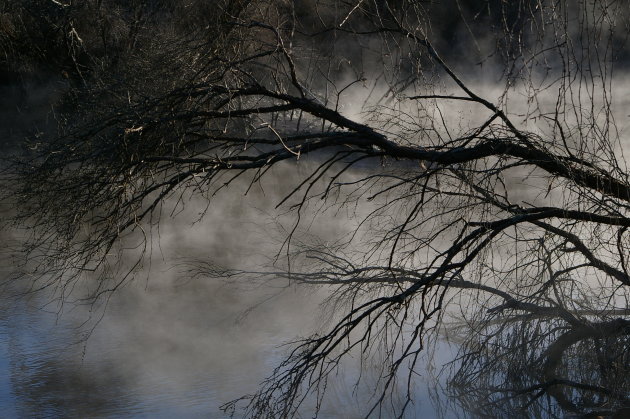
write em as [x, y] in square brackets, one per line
[175, 340]
[173, 343]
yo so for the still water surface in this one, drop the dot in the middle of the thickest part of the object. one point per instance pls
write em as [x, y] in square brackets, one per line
[167, 345]
[173, 350]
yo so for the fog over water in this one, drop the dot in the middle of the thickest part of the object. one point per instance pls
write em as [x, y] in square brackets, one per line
[169, 344]
[163, 350]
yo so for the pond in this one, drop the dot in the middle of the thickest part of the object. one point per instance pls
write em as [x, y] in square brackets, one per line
[161, 351]
[165, 345]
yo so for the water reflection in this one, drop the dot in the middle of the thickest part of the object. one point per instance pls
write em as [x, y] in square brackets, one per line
[150, 355]
[164, 349]
[169, 345]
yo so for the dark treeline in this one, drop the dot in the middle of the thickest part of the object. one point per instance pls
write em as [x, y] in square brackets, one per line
[61, 57]
[81, 42]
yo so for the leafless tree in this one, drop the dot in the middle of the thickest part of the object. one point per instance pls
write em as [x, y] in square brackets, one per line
[487, 142]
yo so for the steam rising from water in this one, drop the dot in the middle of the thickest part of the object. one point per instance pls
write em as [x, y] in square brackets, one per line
[168, 345]
[165, 344]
